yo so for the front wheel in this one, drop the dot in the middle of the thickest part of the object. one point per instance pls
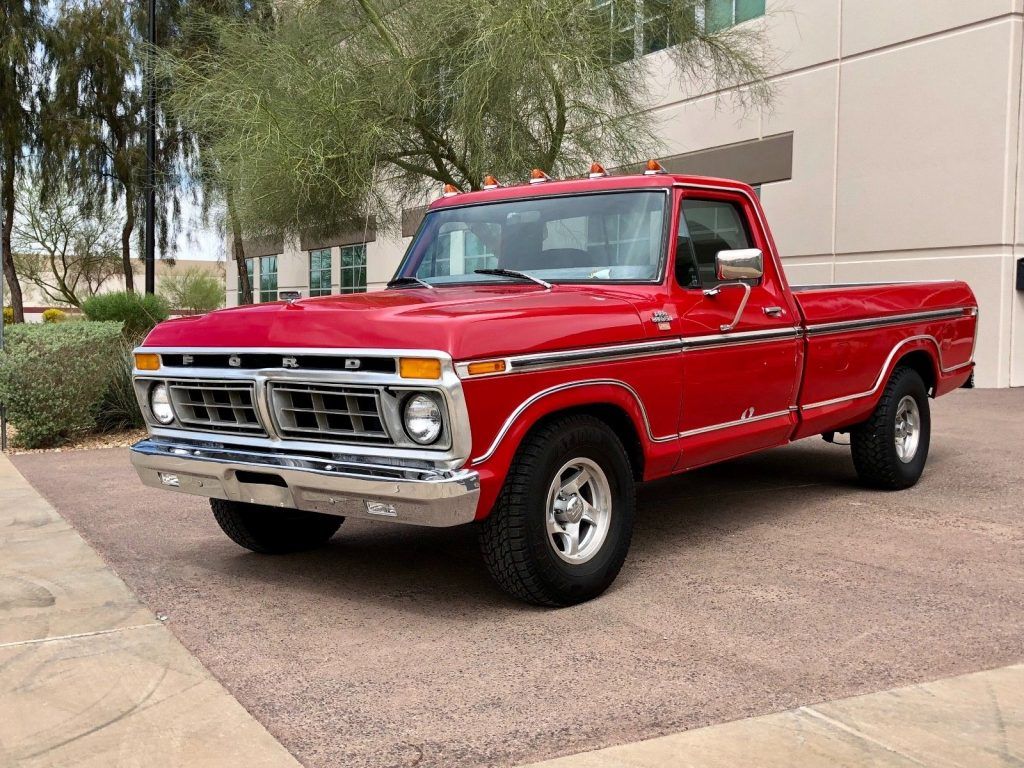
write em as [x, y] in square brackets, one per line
[561, 528]
[273, 530]
[890, 448]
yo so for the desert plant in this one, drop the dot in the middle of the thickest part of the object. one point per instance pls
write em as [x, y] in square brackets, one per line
[119, 408]
[53, 377]
[137, 313]
[193, 289]
[54, 315]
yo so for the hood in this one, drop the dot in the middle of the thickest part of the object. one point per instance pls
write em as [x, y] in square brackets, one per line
[465, 321]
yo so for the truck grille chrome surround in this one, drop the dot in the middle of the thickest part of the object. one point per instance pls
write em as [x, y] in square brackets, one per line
[331, 412]
[216, 406]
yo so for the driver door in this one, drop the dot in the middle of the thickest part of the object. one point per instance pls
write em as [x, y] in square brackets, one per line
[742, 349]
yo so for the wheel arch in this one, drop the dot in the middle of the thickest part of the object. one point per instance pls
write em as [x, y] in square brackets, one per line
[613, 402]
[922, 360]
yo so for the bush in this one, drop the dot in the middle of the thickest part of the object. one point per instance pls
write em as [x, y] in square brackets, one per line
[8, 315]
[54, 315]
[119, 408]
[194, 289]
[53, 378]
[138, 312]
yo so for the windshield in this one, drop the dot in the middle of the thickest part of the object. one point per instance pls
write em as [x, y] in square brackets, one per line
[613, 237]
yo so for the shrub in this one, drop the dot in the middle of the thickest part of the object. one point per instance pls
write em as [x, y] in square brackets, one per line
[54, 315]
[194, 289]
[53, 377]
[8, 315]
[119, 408]
[138, 312]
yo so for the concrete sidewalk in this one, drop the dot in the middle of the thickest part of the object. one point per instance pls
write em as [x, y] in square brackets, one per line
[969, 721]
[88, 676]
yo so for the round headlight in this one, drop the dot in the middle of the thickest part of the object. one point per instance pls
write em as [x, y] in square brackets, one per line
[423, 419]
[160, 404]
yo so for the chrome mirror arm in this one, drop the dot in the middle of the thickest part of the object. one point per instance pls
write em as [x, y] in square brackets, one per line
[712, 292]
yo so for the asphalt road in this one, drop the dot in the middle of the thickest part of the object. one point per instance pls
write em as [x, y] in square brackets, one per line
[752, 587]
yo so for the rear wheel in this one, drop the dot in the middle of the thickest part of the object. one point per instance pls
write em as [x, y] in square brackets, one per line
[890, 448]
[561, 528]
[273, 530]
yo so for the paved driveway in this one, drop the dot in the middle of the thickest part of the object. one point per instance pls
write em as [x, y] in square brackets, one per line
[752, 587]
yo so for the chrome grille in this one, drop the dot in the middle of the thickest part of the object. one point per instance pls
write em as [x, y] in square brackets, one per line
[216, 406]
[328, 412]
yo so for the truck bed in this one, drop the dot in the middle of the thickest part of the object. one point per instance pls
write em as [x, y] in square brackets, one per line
[857, 332]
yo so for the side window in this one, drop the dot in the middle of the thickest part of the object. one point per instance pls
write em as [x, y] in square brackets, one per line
[705, 228]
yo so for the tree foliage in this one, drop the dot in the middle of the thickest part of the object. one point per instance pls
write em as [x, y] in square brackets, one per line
[94, 128]
[67, 250]
[21, 29]
[345, 106]
[194, 289]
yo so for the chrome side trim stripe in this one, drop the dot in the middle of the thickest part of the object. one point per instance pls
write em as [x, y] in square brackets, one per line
[632, 350]
[507, 425]
[597, 354]
[880, 322]
[744, 337]
[736, 423]
[885, 367]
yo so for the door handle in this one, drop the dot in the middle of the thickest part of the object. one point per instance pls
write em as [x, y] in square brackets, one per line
[774, 311]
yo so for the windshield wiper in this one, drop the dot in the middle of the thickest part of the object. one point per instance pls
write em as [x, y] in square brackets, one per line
[409, 280]
[513, 273]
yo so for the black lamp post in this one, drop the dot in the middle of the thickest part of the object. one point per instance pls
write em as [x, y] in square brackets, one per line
[150, 245]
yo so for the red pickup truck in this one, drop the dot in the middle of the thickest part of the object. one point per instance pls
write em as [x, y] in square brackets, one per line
[541, 350]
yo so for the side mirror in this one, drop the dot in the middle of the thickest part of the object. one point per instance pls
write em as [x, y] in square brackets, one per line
[741, 264]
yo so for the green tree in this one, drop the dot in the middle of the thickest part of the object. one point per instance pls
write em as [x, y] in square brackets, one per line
[194, 289]
[346, 106]
[94, 122]
[21, 30]
[66, 252]
[197, 35]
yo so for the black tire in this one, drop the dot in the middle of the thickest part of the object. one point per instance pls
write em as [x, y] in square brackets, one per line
[517, 548]
[273, 530]
[874, 442]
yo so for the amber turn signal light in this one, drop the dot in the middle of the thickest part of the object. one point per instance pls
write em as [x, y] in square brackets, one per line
[597, 171]
[419, 368]
[147, 361]
[450, 190]
[490, 182]
[485, 366]
[537, 176]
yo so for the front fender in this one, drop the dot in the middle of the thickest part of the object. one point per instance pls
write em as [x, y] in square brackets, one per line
[493, 460]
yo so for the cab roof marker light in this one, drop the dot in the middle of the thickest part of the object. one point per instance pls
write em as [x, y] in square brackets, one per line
[654, 168]
[450, 190]
[490, 182]
[537, 176]
[597, 171]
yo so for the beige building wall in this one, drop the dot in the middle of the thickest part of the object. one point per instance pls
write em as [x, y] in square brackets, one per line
[906, 152]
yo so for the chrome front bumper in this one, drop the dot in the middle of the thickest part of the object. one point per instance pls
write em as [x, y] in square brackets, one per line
[350, 488]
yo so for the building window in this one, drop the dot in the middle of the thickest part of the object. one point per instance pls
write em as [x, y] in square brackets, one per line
[353, 268]
[720, 14]
[632, 32]
[320, 272]
[268, 279]
[249, 266]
